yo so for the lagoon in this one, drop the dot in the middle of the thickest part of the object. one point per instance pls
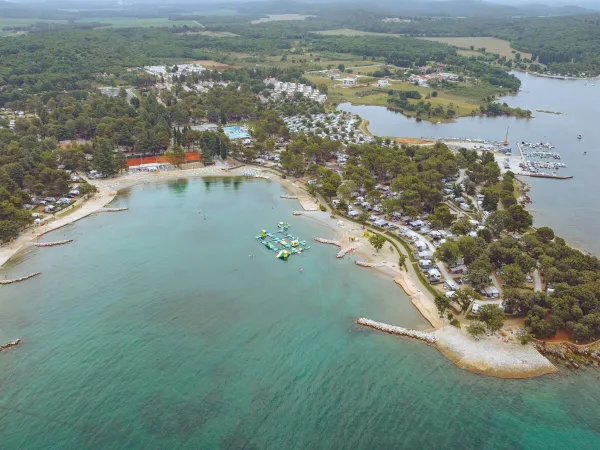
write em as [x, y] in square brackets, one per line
[570, 207]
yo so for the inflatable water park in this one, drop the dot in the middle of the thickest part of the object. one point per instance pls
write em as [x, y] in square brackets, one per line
[281, 242]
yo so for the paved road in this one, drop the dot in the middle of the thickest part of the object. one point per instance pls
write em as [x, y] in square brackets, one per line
[537, 281]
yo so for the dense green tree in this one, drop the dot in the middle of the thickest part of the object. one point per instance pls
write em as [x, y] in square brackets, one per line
[377, 241]
[492, 316]
[476, 328]
[448, 252]
[512, 275]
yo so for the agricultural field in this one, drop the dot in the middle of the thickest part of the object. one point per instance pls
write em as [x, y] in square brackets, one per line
[349, 32]
[466, 99]
[491, 45]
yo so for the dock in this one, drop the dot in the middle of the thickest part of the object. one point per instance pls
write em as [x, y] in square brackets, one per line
[399, 331]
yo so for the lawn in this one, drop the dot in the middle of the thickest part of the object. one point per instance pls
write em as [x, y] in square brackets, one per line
[491, 45]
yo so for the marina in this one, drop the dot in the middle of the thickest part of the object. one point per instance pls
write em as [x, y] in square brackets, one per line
[537, 168]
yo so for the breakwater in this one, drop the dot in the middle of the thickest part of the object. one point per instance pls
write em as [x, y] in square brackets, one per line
[328, 241]
[113, 209]
[52, 244]
[342, 252]
[10, 344]
[368, 264]
[17, 280]
[391, 329]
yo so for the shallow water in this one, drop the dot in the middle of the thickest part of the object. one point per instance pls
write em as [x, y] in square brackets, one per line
[568, 206]
[154, 329]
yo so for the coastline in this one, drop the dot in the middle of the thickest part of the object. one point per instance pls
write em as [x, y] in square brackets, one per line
[108, 189]
[494, 359]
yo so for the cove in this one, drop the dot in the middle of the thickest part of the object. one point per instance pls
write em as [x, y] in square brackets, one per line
[154, 329]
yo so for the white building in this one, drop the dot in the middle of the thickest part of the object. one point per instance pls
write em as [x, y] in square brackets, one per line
[383, 83]
[350, 81]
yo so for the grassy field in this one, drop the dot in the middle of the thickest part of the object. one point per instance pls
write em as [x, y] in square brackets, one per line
[306, 62]
[116, 22]
[466, 99]
[21, 23]
[492, 45]
[281, 17]
[126, 22]
[349, 32]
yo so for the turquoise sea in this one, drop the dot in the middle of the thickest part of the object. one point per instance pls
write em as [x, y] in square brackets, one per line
[154, 329]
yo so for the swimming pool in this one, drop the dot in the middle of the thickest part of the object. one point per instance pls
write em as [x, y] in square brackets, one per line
[236, 133]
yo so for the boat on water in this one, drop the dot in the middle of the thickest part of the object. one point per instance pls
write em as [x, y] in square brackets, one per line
[579, 136]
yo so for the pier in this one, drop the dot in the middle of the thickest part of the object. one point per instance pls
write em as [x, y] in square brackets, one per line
[399, 331]
[52, 244]
[18, 280]
[289, 197]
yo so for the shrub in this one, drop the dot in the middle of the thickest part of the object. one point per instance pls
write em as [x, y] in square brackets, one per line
[322, 207]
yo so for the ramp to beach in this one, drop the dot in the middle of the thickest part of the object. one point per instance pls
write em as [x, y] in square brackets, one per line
[308, 203]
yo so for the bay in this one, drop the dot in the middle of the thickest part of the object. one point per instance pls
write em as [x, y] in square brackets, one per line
[154, 329]
[570, 207]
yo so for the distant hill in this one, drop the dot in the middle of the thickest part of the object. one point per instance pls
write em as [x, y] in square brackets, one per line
[55, 9]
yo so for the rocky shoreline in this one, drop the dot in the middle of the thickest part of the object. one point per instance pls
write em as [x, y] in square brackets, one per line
[568, 354]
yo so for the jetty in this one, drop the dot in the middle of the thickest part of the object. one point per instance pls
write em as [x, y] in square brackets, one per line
[328, 241]
[345, 251]
[113, 209]
[368, 264]
[52, 244]
[18, 280]
[547, 175]
[289, 197]
[10, 344]
[391, 329]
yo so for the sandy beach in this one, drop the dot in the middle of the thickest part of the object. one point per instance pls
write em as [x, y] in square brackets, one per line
[107, 191]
